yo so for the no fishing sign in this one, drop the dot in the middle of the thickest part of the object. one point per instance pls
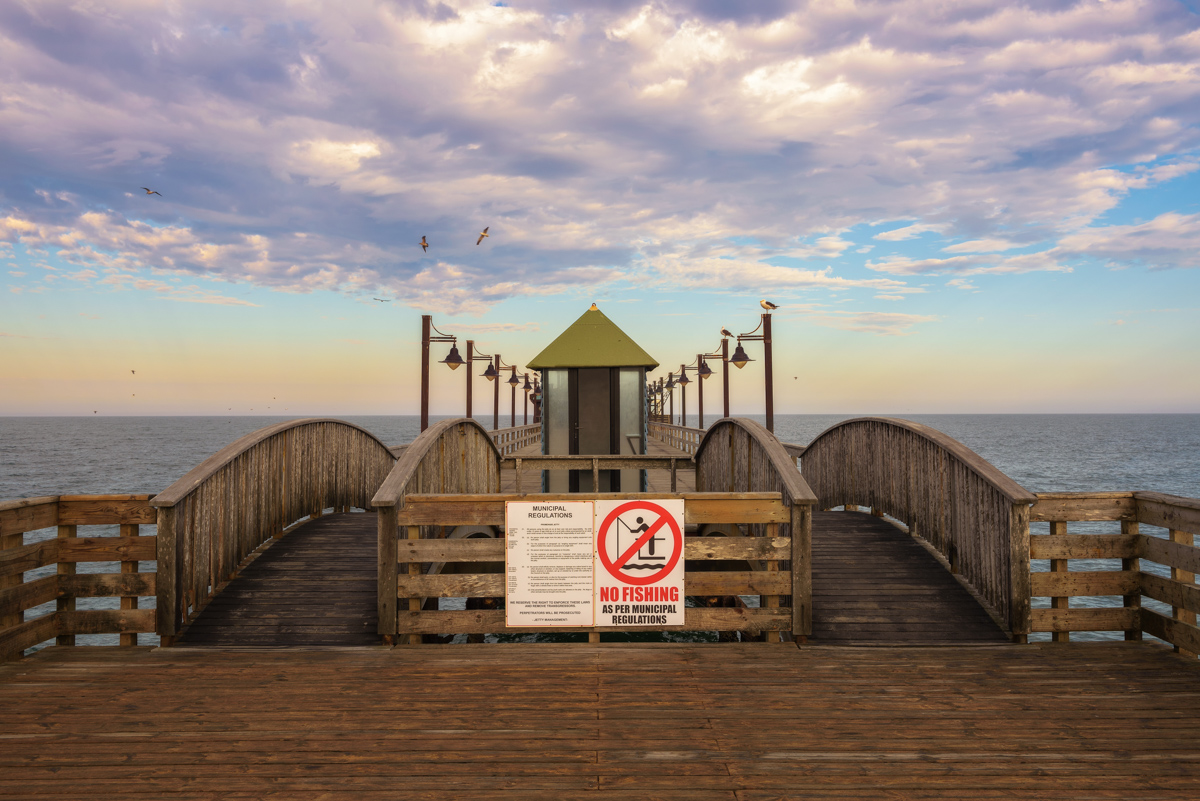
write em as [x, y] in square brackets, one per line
[639, 563]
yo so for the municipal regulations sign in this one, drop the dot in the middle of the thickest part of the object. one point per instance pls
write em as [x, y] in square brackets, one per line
[639, 563]
[548, 563]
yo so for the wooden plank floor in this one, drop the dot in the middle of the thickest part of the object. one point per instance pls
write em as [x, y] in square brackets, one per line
[872, 583]
[749, 722]
[314, 586]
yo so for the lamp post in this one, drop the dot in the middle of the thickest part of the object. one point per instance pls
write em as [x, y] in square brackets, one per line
[683, 382]
[513, 382]
[471, 357]
[670, 387]
[526, 389]
[453, 360]
[740, 359]
[537, 399]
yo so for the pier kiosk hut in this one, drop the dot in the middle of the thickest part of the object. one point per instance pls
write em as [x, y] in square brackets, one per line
[593, 402]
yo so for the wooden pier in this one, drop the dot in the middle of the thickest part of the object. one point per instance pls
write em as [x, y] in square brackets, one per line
[298, 583]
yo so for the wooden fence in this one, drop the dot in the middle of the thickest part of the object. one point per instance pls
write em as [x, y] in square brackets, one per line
[250, 491]
[414, 554]
[510, 440]
[684, 439]
[976, 517]
[66, 551]
[1176, 552]
[597, 463]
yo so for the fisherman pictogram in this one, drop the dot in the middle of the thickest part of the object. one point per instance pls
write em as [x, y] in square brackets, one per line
[646, 551]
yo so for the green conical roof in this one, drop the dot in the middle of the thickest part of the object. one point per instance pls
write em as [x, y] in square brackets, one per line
[592, 341]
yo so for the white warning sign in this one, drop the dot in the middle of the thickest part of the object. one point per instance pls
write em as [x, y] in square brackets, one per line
[549, 563]
[639, 563]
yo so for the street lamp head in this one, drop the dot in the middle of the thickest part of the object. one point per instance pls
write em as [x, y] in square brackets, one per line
[670, 381]
[527, 386]
[513, 381]
[684, 380]
[490, 373]
[704, 371]
[739, 357]
[453, 360]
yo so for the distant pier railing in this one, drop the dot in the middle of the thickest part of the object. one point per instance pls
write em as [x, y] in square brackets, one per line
[1172, 547]
[510, 440]
[679, 437]
[250, 491]
[65, 552]
[976, 517]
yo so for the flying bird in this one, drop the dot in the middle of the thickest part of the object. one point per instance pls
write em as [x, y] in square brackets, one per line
[482, 234]
[725, 332]
[133, 372]
[150, 191]
[424, 244]
[381, 300]
[768, 305]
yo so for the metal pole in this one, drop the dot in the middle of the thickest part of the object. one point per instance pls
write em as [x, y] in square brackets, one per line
[725, 371]
[700, 389]
[526, 408]
[496, 399]
[426, 321]
[671, 395]
[470, 369]
[512, 405]
[769, 378]
[682, 398]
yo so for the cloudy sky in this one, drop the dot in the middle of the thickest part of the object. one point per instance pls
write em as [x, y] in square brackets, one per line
[959, 207]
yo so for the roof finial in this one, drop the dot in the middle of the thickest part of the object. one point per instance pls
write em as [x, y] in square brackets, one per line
[594, 308]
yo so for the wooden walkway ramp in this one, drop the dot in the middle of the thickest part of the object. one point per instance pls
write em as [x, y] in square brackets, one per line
[313, 586]
[750, 722]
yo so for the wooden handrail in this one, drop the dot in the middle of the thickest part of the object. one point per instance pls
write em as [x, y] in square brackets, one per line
[510, 440]
[740, 455]
[596, 463]
[249, 492]
[684, 438]
[457, 456]
[1177, 551]
[976, 517]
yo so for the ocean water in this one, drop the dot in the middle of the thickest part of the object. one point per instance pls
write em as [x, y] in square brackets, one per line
[1043, 453]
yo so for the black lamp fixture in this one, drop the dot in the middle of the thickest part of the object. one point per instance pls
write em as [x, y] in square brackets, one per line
[704, 371]
[513, 381]
[739, 357]
[683, 379]
[490, 373]
[453, 360]
[670, 381]
[527, 386]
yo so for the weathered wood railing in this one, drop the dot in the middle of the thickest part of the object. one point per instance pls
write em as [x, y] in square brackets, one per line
[65, 552]
[1175, 551]
[976, 517]
[250, 491]
[453, 456]
[680, 437]
[415, 584]
[596, 463]
[510, 440]
[739, 455]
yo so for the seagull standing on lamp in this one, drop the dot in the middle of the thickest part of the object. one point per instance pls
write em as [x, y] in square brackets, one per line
[739, 358]
[453, 360]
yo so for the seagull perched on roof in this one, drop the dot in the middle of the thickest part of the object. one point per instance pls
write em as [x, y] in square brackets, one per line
[482, 234]
[725, 332]
[424, 244]
[768, 305]
[150, 191]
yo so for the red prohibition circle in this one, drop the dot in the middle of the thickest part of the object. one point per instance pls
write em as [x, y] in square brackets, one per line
[649, 507]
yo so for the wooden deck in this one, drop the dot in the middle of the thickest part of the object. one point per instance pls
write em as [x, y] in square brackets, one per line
[749, 722]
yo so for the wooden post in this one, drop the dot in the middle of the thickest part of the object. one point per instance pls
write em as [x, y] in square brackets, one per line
[387, 570]
[772, 601]
[725, 371]
[1058, 529]
[1187, 577]
[167, 613]
[699, 392]
[414, 569]
[682, 397]
[1129, 528]
[1020, 607]
[801, 571]
[128, 601]
[512, 402]
[8, 541]
[470, 369]
[426, 322]
[768, 369]
[496, 393]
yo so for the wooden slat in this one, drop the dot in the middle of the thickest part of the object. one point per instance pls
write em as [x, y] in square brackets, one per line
[1175, 593]
[492, 550]
[26, 596]
[476, 510]
[107, 549]
[106, 621]
[29, 515]
[108, 585]
[1099, 582]
[492, 621]
[105, 509]
[28, 557]
[1169, 511]
[1172, 554]
[1113, 619]
[1178, 633]
[1079, 506]
[491, 585]
[26, 635]
[1083, 546]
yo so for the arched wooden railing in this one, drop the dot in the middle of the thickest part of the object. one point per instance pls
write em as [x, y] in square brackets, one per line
[976, 517]
[453, 456]
[249, 491]
[739, 455]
